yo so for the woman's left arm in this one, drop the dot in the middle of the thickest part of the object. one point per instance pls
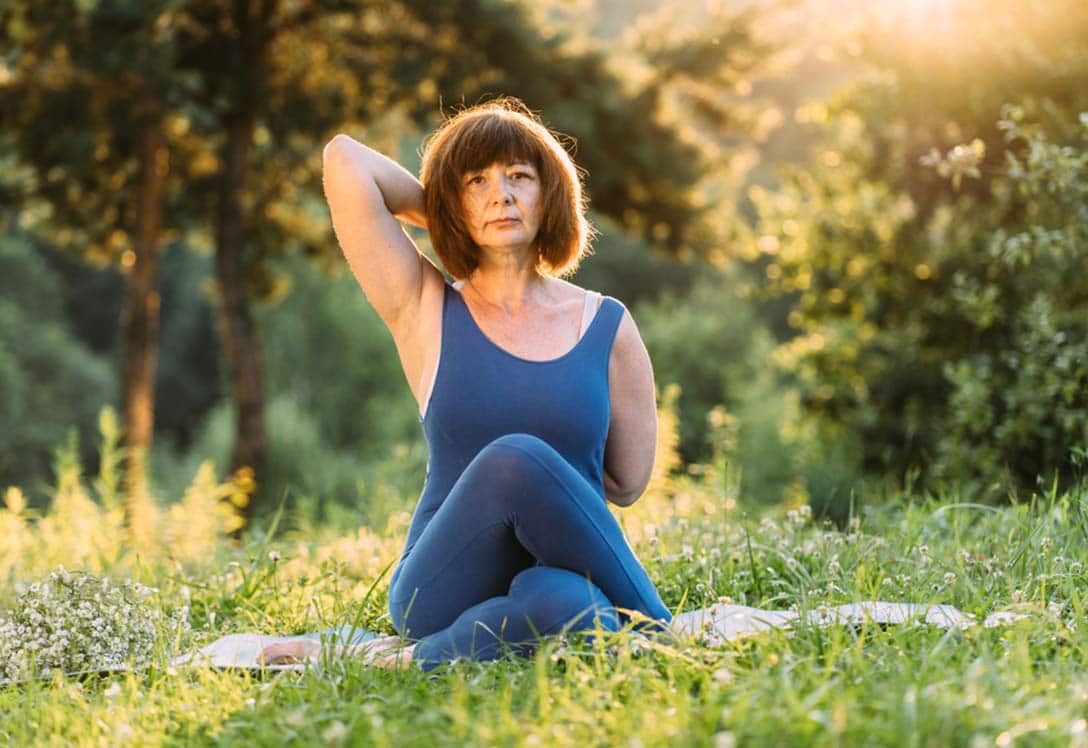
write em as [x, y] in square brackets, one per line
[632, 431]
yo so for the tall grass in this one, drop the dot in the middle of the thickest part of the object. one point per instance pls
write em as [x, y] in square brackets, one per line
[1024, 683]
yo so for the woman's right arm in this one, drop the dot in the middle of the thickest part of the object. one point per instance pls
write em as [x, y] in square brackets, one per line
[367, 194]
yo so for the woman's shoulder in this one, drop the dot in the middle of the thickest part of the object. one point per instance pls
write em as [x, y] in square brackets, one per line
[566, 289]
[593, 299]
[573, 292]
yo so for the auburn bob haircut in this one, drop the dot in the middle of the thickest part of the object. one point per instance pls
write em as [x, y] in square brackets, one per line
[503, 130]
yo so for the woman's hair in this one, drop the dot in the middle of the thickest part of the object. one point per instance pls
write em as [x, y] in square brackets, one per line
[503, 130]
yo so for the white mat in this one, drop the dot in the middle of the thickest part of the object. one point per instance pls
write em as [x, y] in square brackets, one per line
[714, 624]
[728, 622]
[242, 650]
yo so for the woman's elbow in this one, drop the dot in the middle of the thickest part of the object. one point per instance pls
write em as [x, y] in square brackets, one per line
[624, 496]
[624, 500]
[339, 146]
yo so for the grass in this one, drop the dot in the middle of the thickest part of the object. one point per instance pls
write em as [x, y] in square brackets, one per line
[1020, 684]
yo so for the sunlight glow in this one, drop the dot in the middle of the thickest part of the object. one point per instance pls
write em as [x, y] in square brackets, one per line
[915, 15]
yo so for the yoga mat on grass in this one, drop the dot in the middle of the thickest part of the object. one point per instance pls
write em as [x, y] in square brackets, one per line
[715, 624]
[723, 622]
[240, 651]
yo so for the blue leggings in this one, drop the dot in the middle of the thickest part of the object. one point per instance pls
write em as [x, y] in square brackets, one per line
[522, 547]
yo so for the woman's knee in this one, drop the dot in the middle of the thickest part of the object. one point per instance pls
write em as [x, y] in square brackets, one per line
[562, 600]
[517, 450]
[505, 468]
[411, 617]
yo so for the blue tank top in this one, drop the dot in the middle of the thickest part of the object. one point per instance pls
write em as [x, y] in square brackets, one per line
[482, 392]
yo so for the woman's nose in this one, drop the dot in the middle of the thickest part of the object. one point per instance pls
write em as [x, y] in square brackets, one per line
[502, 192]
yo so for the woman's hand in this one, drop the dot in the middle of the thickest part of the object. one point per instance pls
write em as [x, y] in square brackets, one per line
[388, 652]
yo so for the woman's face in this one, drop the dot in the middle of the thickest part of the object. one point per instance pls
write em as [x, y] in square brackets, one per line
[501, 205]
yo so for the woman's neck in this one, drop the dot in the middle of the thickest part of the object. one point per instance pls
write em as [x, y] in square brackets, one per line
[508, 286]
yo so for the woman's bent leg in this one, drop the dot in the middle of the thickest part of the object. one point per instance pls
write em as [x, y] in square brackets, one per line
[542, 601]
[518, 502]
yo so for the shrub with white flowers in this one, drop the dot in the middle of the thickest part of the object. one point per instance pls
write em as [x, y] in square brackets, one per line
[75, 622]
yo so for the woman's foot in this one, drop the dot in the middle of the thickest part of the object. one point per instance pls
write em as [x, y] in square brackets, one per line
[386, 652]
[289, 652]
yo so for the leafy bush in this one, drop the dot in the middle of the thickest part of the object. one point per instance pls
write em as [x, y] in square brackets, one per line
[49, 382]
[304, 469]
[83, 524]
[709, 343]
[327, 350]
[1017, 408]
[950, 340]
[732, 405]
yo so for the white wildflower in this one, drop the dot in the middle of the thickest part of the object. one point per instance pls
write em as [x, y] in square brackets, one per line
[74, 622]
[334, 733]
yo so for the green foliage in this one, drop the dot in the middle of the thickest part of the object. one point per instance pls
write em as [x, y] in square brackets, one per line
[327, 349]
[305, 468]
[49, 382]
[187, 377]
[955, 344]
[82, 524]
[709, 343]
[939, 298]
[626, 267]
[1018, 409]
[105, 70]
[338, 406]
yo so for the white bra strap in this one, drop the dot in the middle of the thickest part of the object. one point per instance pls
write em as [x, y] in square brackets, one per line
[589, 310]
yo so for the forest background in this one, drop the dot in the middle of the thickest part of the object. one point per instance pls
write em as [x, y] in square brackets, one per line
[853, 235]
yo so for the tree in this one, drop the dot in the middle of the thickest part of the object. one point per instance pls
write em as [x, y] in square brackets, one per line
[934, 313]
[101, 185]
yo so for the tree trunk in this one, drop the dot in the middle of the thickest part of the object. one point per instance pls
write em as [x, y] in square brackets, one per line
[140, 322]
[233, 259]
[237, 329]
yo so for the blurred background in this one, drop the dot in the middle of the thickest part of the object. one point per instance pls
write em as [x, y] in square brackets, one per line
[853, 235]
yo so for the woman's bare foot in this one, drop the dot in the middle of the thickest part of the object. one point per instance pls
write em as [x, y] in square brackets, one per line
[289, 652]
[386, 652]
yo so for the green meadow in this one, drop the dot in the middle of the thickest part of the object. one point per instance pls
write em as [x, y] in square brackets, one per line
[1019, 683]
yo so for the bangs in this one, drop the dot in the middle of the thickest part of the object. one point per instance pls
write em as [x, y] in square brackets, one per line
[493, 139]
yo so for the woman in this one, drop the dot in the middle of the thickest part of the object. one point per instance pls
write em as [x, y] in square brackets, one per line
[536, 397]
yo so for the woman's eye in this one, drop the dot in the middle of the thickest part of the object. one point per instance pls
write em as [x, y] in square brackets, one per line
[522, 175]
[476, 179]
